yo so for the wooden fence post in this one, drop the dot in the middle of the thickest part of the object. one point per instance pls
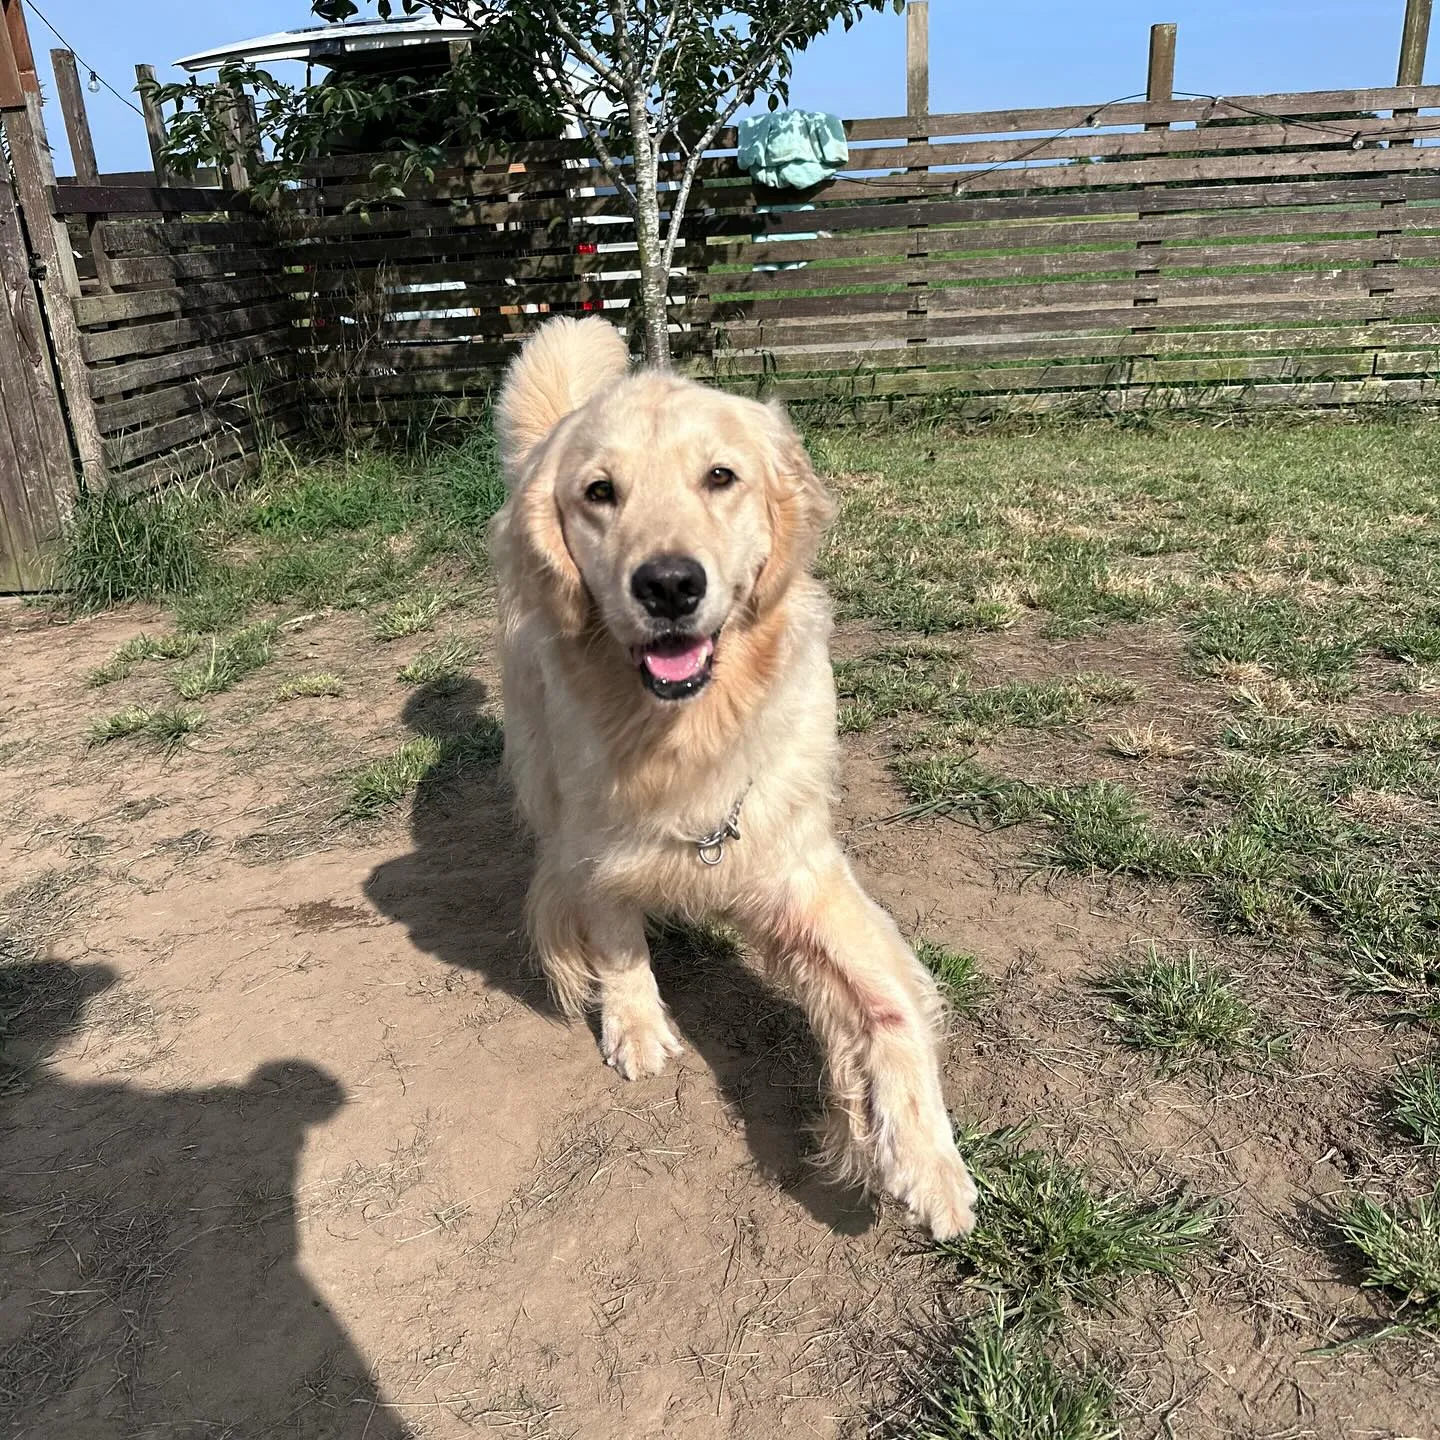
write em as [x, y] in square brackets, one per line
[1414, 41]
[917, 57]
[1159, 88]
[917, 104]
[154, 126]
[1160, 83]
[77, 122]
[82, 149]
[235, 176]
[50, 245]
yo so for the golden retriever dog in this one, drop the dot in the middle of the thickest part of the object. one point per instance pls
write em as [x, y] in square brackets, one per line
[670, 734]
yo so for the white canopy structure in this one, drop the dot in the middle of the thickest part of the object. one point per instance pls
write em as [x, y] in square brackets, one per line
[354, 40]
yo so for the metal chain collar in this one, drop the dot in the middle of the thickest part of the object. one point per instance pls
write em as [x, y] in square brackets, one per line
[711, 848]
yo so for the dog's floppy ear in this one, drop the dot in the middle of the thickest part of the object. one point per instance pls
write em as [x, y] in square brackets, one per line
[527, 545]
[799, 509]
[558, 369]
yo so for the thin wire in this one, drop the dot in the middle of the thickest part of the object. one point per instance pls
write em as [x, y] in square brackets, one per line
[84, 65]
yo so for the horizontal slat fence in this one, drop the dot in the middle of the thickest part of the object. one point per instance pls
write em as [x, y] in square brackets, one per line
[1260, 250]
[188, 329]
[1265, 250]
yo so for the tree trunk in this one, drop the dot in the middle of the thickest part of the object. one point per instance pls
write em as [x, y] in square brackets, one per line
[654, 276]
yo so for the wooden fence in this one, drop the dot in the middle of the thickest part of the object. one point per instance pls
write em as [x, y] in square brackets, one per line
[187, 329]
[1262, 250]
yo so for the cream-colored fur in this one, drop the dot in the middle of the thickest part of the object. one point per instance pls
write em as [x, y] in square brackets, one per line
[618, 784]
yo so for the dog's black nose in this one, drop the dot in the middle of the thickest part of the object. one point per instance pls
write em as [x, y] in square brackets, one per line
[669, 586]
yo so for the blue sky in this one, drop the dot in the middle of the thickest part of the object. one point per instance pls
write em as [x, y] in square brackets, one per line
[982, 55]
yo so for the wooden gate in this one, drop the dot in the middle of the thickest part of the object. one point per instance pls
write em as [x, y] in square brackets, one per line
[37, 476]
[37, 471]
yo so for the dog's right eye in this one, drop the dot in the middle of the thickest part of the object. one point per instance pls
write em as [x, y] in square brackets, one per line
[600, 492]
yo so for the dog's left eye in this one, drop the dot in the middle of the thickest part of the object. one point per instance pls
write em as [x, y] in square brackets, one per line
[600, 492]
[721, 477]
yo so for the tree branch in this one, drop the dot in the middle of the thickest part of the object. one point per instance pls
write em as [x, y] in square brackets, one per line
[574, 103]
[752, 76]
[676, 9]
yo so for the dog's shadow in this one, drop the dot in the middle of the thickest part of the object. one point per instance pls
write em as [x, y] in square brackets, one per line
[461, 892]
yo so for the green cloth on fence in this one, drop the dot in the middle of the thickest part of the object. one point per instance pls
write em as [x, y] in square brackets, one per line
[792, 149]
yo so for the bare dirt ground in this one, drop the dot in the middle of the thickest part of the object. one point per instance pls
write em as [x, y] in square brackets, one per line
[300, 1149]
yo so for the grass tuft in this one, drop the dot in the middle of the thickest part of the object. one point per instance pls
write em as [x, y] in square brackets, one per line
[314, 686]
[442, 665]
[1400, 1253]
[122, 548]
[134, 652]
[421, 762]
[1415, 1102]
[999, 1384]
[1187, 1010]
[411, 614]
[960, 978]
[170, 726]
[1146, 742]
[226, 662]
[1049, 1244]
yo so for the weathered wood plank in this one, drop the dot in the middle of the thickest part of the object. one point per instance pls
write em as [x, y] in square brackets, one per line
[1269, 195]
[182, 266]
[188, 300]
[1252, 312]
[1165, 112]
[146, 340]
[223, 452]
[234, 390]
[275, 344]
[123, 238]
[49, 243]
[143, 200]
[122, 451]
[33, 393]
[985, 349]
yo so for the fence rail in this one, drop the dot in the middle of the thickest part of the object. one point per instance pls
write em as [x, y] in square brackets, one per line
[1266, 250]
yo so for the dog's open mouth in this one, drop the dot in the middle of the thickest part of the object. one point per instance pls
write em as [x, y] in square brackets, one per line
[676, 666]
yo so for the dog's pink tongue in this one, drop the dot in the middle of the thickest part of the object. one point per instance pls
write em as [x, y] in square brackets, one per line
[674, 665]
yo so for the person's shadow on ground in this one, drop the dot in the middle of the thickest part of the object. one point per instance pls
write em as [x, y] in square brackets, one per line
[461, 894]
[149, 1277]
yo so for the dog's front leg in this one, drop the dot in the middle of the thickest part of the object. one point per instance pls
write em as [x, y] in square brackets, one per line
[876, 1010]
[635, 1033]
[594, 949]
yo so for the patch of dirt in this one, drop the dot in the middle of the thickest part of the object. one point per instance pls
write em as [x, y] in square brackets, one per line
[297, 1146]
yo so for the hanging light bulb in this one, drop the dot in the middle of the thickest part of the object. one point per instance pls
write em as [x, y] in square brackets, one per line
[94, 86]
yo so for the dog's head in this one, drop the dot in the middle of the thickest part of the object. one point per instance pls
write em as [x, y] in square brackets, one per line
[665, 511]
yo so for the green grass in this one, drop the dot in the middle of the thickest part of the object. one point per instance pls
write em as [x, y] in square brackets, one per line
[1049, 1245]
[1399, 1252]
[423, 761]
[222, 664]
[1282, 860]
[999, 1383]
[135, 652]
[148, 547]
[1298, 549]
[1187, 1010]
[926, 679]
[316, 685]
[443, 664]
[961, 980]
[1415, 1102]
[350, 532]
[168, 726]
[411, 614]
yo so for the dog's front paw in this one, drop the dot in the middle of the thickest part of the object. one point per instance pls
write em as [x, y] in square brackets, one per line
[637, 1042]
[939, 1193]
